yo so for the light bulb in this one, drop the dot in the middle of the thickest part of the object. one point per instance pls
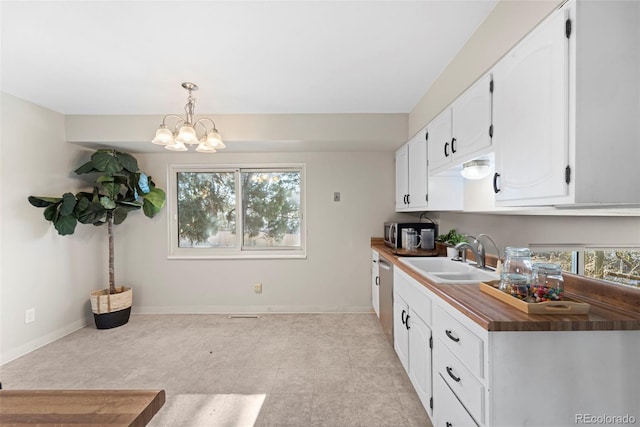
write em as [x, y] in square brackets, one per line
[215, 140]
[163, 136]
[205, 148]
[476, 169]
[187, 135]
[178, 146]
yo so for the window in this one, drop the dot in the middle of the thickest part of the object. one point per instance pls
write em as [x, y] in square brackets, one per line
[237, 212]
[613, 265]
[566, 257]
[617, 265]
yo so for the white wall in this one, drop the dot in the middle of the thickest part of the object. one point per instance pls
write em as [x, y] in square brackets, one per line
[334, 277]
[40, 269]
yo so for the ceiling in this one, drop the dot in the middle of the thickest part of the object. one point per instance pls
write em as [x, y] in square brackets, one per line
[130, 57]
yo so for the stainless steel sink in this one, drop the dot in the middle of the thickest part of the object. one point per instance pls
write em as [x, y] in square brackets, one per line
[445, 271]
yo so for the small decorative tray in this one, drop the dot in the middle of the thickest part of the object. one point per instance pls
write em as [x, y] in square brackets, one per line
[566, 306]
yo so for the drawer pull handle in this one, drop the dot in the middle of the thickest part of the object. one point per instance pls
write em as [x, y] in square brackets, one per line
[449, 371]
[402, 317]
[406, 322]
[451, 337]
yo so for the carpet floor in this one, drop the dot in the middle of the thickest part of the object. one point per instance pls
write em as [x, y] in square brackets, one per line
[334, 370]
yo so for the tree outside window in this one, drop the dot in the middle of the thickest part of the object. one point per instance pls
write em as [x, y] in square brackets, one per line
[243, 209]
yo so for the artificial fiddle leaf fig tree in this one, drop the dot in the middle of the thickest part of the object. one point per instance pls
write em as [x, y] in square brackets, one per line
[120, 187]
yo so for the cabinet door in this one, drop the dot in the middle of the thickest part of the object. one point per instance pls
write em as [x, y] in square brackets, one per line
[375, 282]
[420, 358]
[531, 116]
[440, 150]
[400, 331]
[418, 188]
[472, 121]
[402, 177]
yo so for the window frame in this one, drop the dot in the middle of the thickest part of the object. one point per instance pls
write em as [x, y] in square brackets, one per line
[238, 251]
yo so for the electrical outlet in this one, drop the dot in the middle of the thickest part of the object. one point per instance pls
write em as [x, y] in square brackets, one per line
[336, 196]
[257, 288]
[29, 315]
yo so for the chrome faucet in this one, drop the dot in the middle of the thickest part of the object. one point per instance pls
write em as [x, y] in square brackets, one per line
[481, 249]
[473, 247]
[477, 248]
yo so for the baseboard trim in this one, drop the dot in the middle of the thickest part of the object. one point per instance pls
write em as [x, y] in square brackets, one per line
[257, 309]
[8, 355]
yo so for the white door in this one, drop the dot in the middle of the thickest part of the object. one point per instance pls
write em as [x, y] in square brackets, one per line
[400, 331]
[418, 187]
[402, 177]
[420, 358]
[530, 116]
[440, 149]
[472, 120]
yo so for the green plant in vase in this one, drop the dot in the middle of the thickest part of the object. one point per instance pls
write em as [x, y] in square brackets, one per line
[120, 187]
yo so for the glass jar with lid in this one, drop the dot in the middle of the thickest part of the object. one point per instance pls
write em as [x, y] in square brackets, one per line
[547, 283]
[515, 278]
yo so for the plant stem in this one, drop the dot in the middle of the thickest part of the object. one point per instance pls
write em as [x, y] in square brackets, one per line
[112, 285]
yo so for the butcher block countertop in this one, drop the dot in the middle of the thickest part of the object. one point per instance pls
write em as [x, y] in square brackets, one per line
[612, 307]
[62, 408]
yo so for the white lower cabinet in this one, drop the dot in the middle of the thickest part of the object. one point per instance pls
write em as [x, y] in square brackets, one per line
[468, 389]
[375, 282]
[420, 358]
[452, 413]
[458, 360]
[412, 334]
[400, 331]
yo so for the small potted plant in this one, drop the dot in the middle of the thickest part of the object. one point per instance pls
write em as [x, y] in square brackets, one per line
[120, 187]
[450, 240]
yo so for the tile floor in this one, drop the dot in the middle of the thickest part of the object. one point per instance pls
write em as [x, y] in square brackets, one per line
[278, 370]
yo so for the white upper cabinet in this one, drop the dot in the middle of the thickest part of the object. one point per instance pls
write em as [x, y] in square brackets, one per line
[440, 141]
[530, 105]
[418, 179]
[411, 174]
[415, 189]
[463, 130]
[566, 110]
[402, 177]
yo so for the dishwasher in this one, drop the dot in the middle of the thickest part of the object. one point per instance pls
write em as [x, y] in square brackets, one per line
[386, 296]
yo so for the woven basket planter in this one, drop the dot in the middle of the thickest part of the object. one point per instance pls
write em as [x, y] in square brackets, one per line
[111, 310]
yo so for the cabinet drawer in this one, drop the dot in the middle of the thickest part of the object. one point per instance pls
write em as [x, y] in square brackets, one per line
[463, 343]
[459, 379]
[448, 411]
[410, 291]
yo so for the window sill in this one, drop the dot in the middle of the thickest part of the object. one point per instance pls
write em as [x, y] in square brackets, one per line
[244, 255]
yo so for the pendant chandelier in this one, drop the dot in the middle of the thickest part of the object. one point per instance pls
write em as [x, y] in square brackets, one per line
[186, 131]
